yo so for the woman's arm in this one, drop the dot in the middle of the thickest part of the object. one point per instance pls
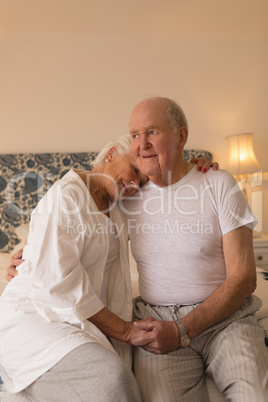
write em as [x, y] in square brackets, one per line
[113, 326]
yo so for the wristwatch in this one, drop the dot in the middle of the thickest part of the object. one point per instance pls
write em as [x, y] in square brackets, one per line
[184, 338]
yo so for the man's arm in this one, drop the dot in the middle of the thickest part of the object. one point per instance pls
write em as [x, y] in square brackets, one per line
[240, 282]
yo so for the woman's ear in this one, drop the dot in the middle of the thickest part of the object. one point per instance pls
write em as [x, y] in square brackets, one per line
[183, 133]
[111, 153]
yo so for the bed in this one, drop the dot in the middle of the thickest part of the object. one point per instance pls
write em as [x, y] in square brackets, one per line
[24, 179]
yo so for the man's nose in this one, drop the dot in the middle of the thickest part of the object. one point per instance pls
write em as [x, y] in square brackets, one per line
[144, 144]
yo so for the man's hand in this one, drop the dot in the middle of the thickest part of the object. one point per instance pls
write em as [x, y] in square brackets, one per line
[15, 260]
[160, 336]
[203, 164]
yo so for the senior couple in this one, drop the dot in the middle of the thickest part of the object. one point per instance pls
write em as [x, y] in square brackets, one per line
[66, 317]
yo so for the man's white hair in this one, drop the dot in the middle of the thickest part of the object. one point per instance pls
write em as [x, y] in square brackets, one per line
[122, 145]
[176, 116]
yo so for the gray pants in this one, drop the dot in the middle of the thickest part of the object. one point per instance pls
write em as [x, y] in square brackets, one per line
[88, 373]
[233, 353]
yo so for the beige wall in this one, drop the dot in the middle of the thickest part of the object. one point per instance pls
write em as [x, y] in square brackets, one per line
[71, 71]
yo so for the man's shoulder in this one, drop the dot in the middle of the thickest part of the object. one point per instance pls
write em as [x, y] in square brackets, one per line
[214, 176]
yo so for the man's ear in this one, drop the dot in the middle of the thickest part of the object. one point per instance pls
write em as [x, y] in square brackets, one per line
[111, 153]
[183, 133]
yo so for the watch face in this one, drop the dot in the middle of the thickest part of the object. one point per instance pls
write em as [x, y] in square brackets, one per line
[185, 342]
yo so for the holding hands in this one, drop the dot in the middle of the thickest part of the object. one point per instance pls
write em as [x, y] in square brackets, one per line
[158, 337]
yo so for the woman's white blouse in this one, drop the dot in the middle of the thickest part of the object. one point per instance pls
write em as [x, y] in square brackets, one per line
[76, 262]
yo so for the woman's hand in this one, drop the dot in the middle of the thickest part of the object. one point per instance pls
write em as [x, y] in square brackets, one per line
[15, 260]
[157, 337]
[113, 326]
[133, 335]
[203, 164]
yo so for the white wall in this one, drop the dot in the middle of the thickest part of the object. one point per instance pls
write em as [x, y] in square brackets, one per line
[72, 70]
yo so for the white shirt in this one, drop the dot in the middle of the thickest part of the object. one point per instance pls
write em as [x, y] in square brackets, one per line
[176, 235]
[63, 281]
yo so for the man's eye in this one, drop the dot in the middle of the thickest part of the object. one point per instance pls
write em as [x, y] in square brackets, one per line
[152, 132]
[134, 136]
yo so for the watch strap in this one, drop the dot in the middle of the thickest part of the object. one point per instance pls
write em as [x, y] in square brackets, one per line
[184, 338]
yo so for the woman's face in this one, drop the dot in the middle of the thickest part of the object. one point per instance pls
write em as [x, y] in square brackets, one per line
[125, 179]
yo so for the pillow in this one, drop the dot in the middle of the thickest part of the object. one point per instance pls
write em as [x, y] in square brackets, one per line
[24, 179]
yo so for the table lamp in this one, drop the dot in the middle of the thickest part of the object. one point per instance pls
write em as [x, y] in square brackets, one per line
[242, 159]
[244, 166]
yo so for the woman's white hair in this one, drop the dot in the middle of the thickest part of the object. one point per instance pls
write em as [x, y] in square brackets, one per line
[122, 145]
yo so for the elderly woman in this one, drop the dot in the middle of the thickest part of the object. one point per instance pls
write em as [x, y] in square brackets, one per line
[73, 290]
[65, 314]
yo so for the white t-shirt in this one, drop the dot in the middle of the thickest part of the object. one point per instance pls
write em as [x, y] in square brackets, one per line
[176, 235]
[75, 264]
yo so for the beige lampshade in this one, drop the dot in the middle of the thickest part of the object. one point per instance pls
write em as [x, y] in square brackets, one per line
[242, 159]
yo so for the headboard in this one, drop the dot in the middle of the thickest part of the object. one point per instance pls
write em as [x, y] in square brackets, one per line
[25, 178]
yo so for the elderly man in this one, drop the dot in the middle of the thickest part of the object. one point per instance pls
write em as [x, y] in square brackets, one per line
[191, 236]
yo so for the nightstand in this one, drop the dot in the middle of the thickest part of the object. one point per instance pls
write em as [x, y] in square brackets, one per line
[260, 245]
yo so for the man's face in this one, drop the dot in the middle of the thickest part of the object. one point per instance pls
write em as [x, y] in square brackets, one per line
[154, 145]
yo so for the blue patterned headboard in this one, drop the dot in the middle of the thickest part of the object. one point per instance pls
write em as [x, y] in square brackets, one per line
[25, 178]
